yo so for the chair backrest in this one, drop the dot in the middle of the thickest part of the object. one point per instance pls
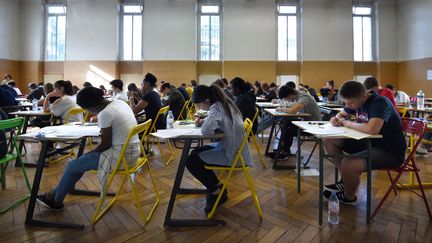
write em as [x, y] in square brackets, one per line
[73, 111]
[140, 128]
[184, 108]
[415, 129]
[402, 111]
[255, 116]
[12, 125]
[247, 123]
[162, 110]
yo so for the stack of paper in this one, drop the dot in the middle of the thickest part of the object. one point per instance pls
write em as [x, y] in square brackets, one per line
[71, 131]
[174, 133]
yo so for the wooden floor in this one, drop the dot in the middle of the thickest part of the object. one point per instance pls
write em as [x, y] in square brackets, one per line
[288, 216]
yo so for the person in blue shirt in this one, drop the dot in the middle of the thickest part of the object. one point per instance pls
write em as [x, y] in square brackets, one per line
[6, 98]
[374, 115]
[10, 89]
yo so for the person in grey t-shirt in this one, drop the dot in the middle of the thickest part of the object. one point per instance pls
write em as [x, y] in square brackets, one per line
[303, 103]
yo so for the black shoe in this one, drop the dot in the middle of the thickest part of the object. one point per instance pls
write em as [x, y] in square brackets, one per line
[341, 197]
[338, 187]
[43, 200]
[211, 200]
[282, 155]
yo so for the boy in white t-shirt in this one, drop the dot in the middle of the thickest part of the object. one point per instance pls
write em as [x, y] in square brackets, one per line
[116, 119]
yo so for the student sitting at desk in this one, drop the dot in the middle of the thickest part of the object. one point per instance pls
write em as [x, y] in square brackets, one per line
[174, 99]
[150, 102]
[115, 120]
[223, 115]
[118, 92]
[372, 84]
[303, 103]
[66, 101]
[245, 99]
[374, 115]
[36, 92]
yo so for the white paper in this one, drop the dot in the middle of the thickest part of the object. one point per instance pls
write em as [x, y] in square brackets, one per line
[309, 172]
[70, 131]
[174, 133]
[326, 129]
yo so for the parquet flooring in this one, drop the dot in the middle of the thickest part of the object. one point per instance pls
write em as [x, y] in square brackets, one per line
[288, 216]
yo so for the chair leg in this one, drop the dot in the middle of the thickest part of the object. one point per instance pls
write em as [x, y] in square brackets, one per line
[253, 191]
[393, 185]
[254, 140]
[422, 192]
[97, 214]
[224, 185]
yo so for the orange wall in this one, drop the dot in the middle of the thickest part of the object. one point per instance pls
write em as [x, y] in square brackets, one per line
[264, 71]
[316, 73]
[412, 76]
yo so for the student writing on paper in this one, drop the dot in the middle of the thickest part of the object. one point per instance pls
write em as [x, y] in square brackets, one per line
[374, 115]
[115, 119]
[223, 115]
[245, 99]
[305, 103]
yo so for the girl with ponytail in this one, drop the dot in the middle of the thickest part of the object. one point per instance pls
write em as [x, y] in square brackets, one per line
[66, 100]
[224, 116]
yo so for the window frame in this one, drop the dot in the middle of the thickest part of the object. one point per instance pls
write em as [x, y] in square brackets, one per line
[122, 14]
[296, 4]
[373, 29]
[201, 3]
[45, 38]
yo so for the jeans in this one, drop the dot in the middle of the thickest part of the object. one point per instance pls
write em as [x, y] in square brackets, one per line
[196, 167]
[74, 171]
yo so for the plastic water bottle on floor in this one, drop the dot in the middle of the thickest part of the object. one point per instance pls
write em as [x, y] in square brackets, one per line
[35, 104]
[170, 120]
[420, 100]
[333, 209]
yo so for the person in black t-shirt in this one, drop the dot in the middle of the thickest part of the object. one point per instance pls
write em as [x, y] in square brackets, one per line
[174, 99]
[150, 102]
[6, 98]
[374, 115]
[245, 99]
[36, 92]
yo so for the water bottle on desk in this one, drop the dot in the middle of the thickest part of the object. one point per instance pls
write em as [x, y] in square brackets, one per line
[333, 209]
[35, 104]
[170, 120]
[420, 100]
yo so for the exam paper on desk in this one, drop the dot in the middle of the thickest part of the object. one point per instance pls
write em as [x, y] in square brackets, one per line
[174, 133]
[71, 131]
[328, 129]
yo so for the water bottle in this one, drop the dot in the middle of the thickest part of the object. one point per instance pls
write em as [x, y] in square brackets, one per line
[333, 209]
[420, 100]
[170, 120]
[35, 104]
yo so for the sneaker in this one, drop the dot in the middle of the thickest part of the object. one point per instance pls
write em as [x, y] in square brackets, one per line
[338, 187]
[421, 150]
[43, 200]
[341, 197]
[211, 200]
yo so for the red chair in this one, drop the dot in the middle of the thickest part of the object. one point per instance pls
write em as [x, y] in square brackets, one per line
[415, 129]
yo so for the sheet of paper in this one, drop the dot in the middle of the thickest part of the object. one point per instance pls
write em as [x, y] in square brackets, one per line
[326, 129]
[71, 131]
[174, 133]
[309, 172]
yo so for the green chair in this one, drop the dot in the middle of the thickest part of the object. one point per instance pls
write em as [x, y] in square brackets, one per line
[13, 154]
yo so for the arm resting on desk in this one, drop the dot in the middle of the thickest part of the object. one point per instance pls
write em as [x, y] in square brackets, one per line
[373, 126]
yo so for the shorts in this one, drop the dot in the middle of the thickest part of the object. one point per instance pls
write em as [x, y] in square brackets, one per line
[380, 158]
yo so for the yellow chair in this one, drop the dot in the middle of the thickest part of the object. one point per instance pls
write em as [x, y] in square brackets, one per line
[254, 140]
[184, 108]
[162, 110]
[248, 127]
[402, 111]
[71, 112]
[127, 174]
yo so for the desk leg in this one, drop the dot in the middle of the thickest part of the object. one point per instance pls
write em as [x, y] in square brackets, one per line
[262, 119]
[35, 189]
[369, 183]
[21, 143]
[270, 137]
[321, 181]
[169, 222]
[299, 160]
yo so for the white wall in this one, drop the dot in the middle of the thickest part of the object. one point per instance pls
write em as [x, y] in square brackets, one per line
[9, 29]
[414, 24]
[170, 30]
[91, 30]
[327, 30]
[249, 30]
[387, 30]
[31, 30]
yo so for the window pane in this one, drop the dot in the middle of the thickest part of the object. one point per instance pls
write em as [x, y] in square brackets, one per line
[287, 9]
[214, 38]
[209, 9]
[205, 37]
[56, 10]
[51, 37]
[282, 38]
[127, 37]
[61, 37]
[292, 38]
[358, 39]
[137, 37]
[367, 39]
[132, 9]
[362, 10]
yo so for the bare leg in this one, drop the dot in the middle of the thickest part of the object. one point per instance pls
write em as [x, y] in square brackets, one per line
[350, 170]
[334, 146]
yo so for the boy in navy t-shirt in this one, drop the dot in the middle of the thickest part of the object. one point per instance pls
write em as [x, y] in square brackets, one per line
[374, 115]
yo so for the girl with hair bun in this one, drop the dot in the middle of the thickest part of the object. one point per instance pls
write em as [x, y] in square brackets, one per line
[115, 120]
[66, 100]
[223, 115]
